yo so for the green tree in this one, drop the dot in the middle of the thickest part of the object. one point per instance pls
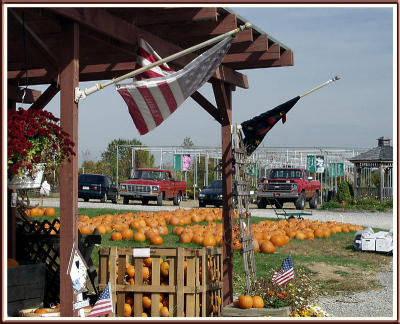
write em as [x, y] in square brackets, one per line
[109, 157]
[187, 142]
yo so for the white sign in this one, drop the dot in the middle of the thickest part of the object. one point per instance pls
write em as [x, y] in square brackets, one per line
[141, 253]
[81, 304]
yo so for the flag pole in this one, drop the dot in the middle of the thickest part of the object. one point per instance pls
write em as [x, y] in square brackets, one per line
[320, 86]
[81, 94]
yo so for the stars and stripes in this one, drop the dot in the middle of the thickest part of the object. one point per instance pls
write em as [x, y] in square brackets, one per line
[256, 128]
[285, 274]
[104, 304]
[157, 93]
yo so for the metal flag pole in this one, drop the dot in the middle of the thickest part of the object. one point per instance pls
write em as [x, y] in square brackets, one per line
[320, 86]
[81, 94]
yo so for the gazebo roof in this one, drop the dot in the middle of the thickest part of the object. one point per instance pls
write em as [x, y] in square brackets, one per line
[108, 41]
[382, 153]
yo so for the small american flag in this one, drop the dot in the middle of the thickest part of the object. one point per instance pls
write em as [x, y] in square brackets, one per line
[104, 304]
[158, 92]
[285, 274]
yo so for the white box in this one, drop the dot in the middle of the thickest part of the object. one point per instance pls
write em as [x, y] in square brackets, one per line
[384, 244]
[368, 244]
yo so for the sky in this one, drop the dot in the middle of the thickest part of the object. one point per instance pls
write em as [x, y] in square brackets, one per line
[353, 42]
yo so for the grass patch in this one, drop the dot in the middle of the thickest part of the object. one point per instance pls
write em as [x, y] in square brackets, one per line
[332, 263]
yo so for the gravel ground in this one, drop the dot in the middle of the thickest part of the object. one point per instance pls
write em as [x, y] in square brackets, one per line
[374, 303]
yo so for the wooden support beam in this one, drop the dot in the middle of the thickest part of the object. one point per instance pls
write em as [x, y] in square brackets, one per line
[46, 97]
[69, 79]
[46, 54]
[244, 38]
[16, 93]
[207, 106]
[104, 22]
[223, 96]
[175, 15]
[285, 59]
[196, 29]
[260, 44]
[237, 60]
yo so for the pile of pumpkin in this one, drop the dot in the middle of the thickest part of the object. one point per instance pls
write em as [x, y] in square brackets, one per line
[37, 211]
[270, 234]
[247, 301]
[147, 269]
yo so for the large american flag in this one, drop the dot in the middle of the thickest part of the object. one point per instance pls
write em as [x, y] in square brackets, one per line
[150, 101]
[104, 304]
[285, 274]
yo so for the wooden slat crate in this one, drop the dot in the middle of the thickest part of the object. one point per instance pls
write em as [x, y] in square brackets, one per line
[186, 291]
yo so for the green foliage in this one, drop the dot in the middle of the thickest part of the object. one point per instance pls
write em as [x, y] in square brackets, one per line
[96, 167]
[187, 142]
[297, 293]
[109, 157]
[360, 204]
[343, 194]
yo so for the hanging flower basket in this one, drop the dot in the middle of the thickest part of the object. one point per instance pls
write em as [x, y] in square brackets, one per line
[35, 141]
[27, 181]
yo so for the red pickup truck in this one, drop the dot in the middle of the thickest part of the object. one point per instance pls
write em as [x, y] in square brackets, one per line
[152, 184]
[288, 185]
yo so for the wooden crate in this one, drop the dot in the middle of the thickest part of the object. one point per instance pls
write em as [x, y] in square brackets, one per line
[231, 311]
[25, 287]
[191, 292]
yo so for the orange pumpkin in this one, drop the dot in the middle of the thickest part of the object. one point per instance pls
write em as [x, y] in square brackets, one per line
[49, 211]
[146, 301]
[127, 310]
[164, 269]
[127, 234]
[12, 263]
[130, 270]
[258, 302]
[185, 238]
[245, 301]
[164, 312]
[267, 247]
[139, 236]
[277, 240]
[116, 236]
[156, 239]
[209, 240]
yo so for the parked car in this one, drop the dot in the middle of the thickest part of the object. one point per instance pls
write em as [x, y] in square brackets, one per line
[97, 186]
[211, 194]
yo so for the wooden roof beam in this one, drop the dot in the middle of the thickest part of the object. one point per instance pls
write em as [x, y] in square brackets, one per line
[49, 57]
[15, 93]
[176, 15]
[285, 59]
[237, 59]
[260, 44]
[195, 29]
[46, 96]
[119, 29]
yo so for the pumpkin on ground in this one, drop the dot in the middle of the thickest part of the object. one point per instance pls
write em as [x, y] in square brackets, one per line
[267, 247]
[116, 236]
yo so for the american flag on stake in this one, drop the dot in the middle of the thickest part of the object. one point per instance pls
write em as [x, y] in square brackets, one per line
[285, 274]
[104, 304]
[160, 91]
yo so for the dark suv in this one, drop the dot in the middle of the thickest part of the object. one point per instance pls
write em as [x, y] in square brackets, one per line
[97, 186]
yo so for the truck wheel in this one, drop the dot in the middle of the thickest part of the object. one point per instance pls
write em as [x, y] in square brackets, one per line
[177, 199]
[160, 199]
[300, 202]
[313, 202]
[126, 201]
[201, 204]
[262, 204]
[85, 199]
[145, 201]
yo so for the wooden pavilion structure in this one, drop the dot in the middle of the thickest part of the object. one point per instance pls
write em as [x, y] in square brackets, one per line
[60, 47]
[378, 158]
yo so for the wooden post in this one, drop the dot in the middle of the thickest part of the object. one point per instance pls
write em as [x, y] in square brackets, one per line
[11, 210]
[223, 96]
[69, 79]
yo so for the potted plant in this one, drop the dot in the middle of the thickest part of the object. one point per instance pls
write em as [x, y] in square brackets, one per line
[35, 142]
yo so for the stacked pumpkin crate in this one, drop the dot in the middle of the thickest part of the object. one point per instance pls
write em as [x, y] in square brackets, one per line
[163, 282]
